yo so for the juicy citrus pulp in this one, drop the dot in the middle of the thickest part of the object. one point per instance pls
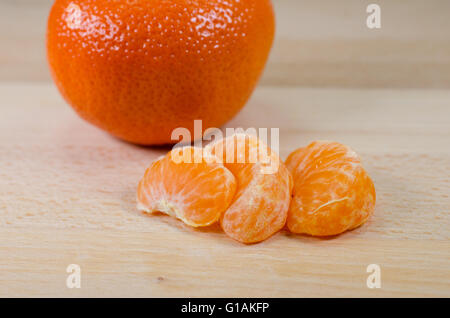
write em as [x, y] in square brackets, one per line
[196, 193]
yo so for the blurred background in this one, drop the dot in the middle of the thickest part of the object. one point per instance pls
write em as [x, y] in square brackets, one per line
[322, 43]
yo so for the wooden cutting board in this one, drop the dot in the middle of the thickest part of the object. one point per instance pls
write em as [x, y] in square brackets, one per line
[67, 196]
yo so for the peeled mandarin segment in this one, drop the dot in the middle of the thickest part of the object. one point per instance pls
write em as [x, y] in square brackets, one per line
[332, 191]
[196, 192]
[259, 208]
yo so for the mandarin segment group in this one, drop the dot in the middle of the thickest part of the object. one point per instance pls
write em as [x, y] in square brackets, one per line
[239, 181]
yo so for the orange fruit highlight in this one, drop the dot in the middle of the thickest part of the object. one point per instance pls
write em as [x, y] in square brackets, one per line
[196, 192]
[332, 191]
[139, 69]
[260, 205]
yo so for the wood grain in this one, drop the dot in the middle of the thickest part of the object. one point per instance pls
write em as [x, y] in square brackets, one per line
[67, 195]
[318, 43]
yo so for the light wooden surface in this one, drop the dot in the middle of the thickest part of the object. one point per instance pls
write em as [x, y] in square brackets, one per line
[318, 43]
[67, 190]
[67, 196]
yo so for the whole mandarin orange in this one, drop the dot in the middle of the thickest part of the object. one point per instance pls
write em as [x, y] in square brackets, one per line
[139, 68]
